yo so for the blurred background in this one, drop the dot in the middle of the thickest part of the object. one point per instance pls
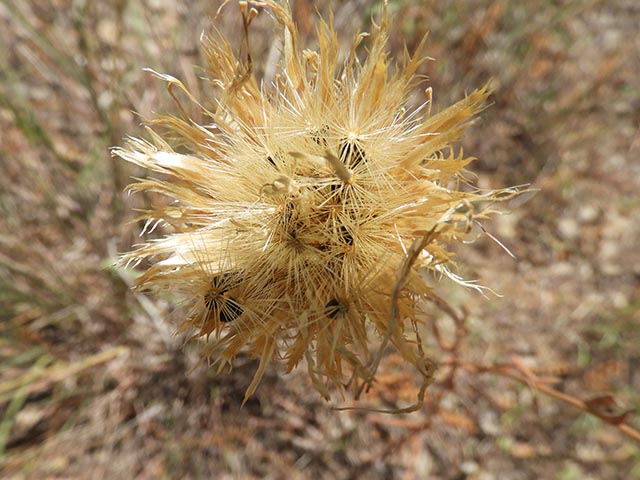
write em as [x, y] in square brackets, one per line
[93, 382]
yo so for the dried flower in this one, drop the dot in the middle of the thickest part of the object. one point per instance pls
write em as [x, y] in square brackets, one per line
[308, 213]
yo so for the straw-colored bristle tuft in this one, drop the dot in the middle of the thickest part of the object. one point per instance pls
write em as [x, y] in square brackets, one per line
[298, 210]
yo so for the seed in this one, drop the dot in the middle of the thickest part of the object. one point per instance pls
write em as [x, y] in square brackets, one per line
[319, 135]
[215, 301]
[230, 311]
[345, 235]
[351, 153]
[334, 308]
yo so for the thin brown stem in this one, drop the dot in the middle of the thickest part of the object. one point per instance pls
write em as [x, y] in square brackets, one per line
[516, 372]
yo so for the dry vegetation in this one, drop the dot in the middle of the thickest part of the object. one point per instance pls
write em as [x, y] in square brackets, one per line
[93, 383]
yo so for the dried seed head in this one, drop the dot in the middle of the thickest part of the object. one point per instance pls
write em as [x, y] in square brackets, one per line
[297, 209]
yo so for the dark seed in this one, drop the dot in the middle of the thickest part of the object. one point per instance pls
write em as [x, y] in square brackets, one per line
[231, 311]
[334, 308]
[346, 235]
[289, 213]
[351, 153]
[209, 301]
[319, 135]
[215, 300]
[293, 240]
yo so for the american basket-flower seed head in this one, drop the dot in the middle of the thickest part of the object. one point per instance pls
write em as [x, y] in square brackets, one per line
[308, 213]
